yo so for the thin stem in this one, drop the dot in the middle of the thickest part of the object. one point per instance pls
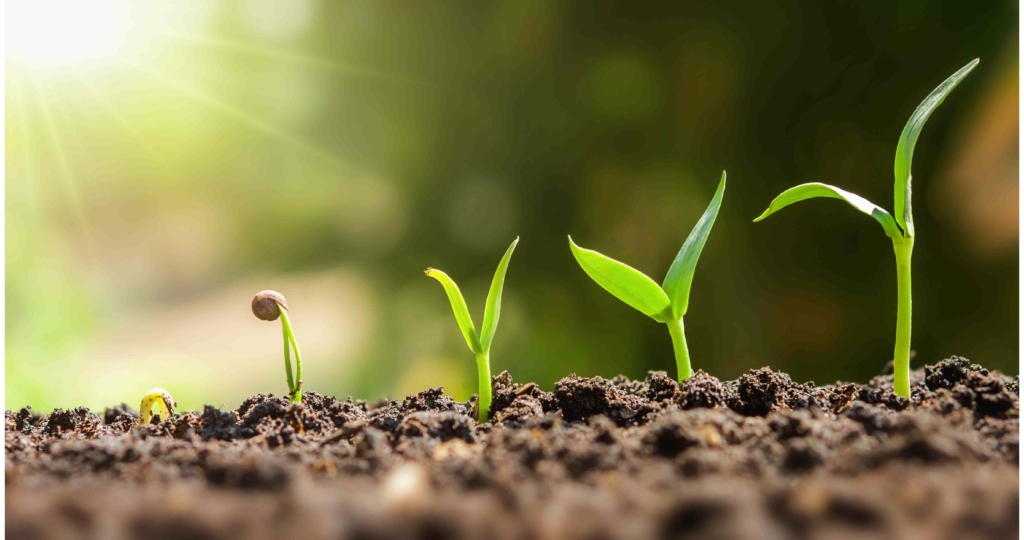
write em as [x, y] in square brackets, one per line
[296, 389]
[287, 359]
[483, 369]
[904, 248]
[675, 329]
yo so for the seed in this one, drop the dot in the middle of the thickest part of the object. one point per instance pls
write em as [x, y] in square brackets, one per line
[266, 305]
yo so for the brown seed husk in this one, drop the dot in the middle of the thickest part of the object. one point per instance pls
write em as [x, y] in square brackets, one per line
[266, 305]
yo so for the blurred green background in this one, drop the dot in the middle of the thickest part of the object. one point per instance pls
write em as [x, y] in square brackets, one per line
[166, 161]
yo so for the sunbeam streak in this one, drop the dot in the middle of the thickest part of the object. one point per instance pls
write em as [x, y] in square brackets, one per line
[297, 58]
[28, 182]
[62, 161]
[111, 110]
[244, 117]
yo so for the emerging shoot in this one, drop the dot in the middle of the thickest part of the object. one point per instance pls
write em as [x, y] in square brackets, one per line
[162, 399]
[900, 229]
[269, 306]
[479, 344]
[667, 303]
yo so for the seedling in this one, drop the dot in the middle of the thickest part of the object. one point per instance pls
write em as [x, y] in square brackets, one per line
[479, 344]
[268, 306]
[900, 230]
[162, 399]
[667, 303]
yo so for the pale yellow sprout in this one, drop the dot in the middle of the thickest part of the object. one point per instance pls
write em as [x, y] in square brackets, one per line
[162, 399]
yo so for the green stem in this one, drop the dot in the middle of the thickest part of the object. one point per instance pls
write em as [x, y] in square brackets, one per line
[904, 248]
[675, 329]
[483, 368]
[294, 385]
[287, 359]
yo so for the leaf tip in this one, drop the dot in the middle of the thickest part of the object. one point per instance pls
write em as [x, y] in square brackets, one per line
[575, 248]
[970, 66]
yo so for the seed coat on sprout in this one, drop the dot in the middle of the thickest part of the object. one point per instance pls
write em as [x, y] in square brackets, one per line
[269, 306]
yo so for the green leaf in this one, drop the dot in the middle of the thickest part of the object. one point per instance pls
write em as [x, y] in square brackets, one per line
[624, 282]
[908, 139]
[680, 274]
[458, 307]
[812, 190]
[492, 310]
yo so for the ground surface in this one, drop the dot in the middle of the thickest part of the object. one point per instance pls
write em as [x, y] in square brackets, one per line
[760, 457]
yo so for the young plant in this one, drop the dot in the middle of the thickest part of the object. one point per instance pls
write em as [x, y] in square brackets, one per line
[480, 344]
[162, 399]
[268, 306]
[900, 230]
[667, 303]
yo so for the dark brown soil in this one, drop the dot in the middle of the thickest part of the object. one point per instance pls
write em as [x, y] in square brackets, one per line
[759, 457]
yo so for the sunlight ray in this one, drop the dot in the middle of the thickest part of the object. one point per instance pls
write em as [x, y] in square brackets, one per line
[322, 63]
[249, 119]
[29, 181]
[139, 140]
[62, 161]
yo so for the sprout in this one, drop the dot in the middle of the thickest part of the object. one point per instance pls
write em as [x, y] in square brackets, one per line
[901, 230]
[268, 306]
[667, 303]
[162, 399]
[479, 344]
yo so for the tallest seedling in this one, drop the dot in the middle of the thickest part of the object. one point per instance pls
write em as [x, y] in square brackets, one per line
[901, 230]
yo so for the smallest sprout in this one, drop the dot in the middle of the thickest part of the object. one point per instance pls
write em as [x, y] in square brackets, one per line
[162, 399]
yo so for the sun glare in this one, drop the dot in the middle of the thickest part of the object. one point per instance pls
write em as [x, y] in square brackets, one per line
[50, 34]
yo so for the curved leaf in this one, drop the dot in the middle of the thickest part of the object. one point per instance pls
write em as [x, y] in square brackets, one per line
[624, 282]
[815, 189]
[458, 307]
[492, 310]
[908, 139]
[680, 274]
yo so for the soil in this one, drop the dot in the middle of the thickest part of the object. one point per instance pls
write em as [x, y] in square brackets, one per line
[758, 457]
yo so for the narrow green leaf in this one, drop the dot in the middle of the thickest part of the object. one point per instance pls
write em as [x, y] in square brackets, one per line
[908, 139]
[680, 274]
[458, 307]
[492, 310]
[814, 189]
[624, 282]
